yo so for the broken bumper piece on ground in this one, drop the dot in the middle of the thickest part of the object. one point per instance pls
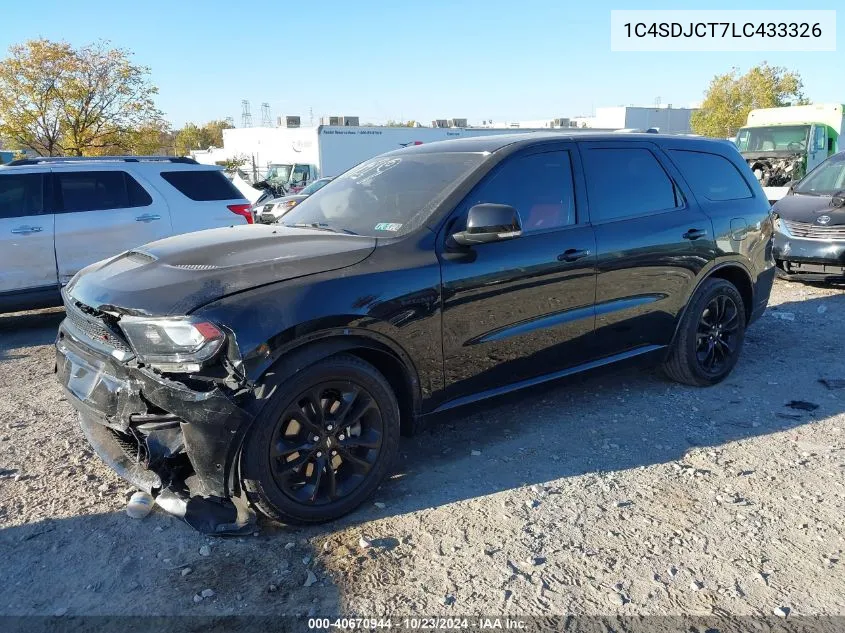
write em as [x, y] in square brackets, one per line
[173, 441]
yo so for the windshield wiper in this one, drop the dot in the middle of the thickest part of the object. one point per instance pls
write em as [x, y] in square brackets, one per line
[320, 227]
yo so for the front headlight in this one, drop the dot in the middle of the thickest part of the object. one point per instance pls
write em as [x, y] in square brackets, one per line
[286, 205]
[172, 344]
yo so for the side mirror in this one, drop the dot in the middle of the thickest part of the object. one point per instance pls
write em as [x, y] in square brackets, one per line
[489, 223]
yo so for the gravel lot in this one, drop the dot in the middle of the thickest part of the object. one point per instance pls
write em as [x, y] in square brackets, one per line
[609, 494]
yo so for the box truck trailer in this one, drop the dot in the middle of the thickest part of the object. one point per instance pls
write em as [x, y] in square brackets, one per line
[782, 145]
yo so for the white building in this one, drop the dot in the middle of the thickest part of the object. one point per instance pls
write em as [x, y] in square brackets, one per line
[664, 117]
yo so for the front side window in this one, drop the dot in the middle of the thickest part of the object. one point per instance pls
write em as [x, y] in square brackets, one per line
[21, 195]
[626, 182]
[820, 138]
[538, 186]
[299, 175]
[99, 190]
[387, 196]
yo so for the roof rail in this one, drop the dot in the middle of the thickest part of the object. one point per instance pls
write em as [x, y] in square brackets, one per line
[94, 159]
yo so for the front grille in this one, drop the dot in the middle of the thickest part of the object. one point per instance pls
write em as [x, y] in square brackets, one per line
[129, 444]
[815, 231]
[94, 327]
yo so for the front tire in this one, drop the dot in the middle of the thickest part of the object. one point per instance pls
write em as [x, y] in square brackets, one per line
[323, 443]
[710, 336]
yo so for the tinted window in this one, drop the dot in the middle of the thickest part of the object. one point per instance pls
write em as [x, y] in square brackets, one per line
[387, 196]
[538, 186]
[827, 178]
[711, 175]
[627, 182]
[138, 196]
[99, 190]
[21, 195]
[203, 185]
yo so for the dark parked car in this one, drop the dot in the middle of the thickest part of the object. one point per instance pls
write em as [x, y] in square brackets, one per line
[279, 364]
[810, 225]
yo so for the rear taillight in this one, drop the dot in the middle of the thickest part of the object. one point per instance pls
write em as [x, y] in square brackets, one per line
[244, 210]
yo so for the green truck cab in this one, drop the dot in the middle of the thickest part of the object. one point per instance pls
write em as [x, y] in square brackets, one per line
[782, 145]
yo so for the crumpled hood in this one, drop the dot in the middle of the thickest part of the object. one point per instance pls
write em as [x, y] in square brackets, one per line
[179, 274]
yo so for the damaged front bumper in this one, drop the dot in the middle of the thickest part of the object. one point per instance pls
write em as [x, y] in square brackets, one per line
[805, 259]
[176, 440]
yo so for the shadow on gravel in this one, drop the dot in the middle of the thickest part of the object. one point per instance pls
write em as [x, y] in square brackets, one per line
[624, 418]
[28, 329]
[109, 564]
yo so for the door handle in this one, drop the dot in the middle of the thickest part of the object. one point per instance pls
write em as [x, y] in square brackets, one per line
[147, 217]
[571, 255]
[694, 234]
[26, 230]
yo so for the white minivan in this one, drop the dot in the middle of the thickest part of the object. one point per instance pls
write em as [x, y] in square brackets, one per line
[57, 215]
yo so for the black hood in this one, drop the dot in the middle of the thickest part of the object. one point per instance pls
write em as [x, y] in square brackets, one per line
[179, 274]
[803, 208]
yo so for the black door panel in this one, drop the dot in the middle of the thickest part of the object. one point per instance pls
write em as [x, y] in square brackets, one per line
[521, 308]
[651, 244]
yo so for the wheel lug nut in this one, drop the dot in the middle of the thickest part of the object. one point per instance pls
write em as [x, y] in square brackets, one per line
[319, 454]
[334, 453]
[341, 437]
[330, 427]
[316, 438]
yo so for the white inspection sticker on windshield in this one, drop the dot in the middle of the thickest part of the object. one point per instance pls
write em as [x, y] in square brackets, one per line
[388, 226]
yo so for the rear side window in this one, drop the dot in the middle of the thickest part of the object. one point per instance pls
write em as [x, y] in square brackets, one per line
[99, 191]
[625, 182]
[202, 185]
[21, 195]
[713, 176]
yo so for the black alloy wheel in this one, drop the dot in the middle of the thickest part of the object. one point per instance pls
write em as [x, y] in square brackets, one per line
[709, 337]
[716, 338]
[326, 442]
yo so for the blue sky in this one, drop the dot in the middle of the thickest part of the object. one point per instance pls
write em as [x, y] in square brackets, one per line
[520, 59]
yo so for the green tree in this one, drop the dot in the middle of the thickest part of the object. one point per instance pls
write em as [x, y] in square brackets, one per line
[730, 97]
[56, 99]
[194, 137]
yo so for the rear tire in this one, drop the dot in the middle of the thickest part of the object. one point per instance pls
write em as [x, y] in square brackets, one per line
[710, 336]
[323, 443]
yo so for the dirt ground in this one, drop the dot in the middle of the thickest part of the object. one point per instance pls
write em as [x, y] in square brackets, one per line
[608, 494]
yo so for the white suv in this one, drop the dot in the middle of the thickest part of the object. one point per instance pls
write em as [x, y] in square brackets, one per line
[57, 215]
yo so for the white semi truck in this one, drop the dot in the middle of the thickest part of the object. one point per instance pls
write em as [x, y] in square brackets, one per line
[781, 145]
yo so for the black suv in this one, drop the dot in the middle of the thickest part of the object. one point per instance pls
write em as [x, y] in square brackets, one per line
[278, 364]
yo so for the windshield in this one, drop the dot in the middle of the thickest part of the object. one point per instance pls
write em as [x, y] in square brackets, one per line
[278, 173]
[315, 186]
[827, 179]
[387, 196]
[777, 138]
